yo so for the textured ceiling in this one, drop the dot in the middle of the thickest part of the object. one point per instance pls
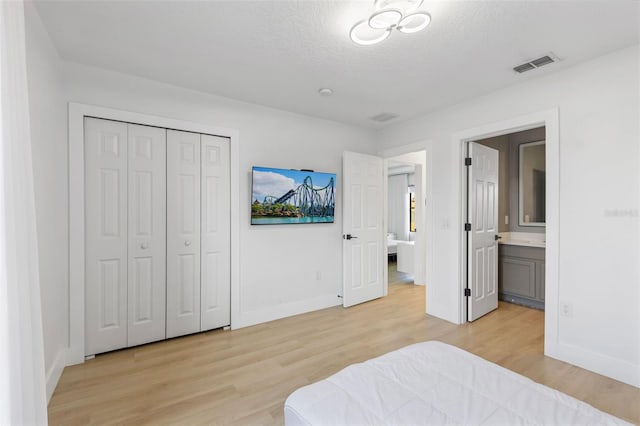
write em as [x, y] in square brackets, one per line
[279, 53]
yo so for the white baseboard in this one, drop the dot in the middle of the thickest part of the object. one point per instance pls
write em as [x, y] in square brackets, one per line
[249, 318]
[614, 368]
[55, 371]
[75, 355]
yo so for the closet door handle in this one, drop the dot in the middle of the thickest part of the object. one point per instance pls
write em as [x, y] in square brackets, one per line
[144, 246]
[187, 243]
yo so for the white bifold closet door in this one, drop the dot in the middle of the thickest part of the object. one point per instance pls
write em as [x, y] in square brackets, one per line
[183, 233]
[147, 238]
[198, 221]
[215, 216]
[125, 199]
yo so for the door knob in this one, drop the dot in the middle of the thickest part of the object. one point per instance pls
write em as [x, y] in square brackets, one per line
[349, 237]
[187, 243]
[144, 246]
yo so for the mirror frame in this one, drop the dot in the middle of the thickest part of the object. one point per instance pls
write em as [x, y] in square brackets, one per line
[521, 221]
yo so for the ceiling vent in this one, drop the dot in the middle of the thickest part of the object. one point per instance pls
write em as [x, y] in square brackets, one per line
[536, 63]
[383, 117]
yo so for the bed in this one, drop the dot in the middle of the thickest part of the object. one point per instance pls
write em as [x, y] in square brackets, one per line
[435, 383]
[392, 245]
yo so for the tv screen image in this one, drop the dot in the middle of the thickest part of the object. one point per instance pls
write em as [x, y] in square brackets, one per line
[281, 196]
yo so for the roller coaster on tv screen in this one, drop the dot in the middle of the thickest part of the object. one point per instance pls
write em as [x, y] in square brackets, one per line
[305, 201]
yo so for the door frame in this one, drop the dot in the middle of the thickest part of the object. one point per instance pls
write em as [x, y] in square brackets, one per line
[77, 112]
[427, 217]
[549, 119]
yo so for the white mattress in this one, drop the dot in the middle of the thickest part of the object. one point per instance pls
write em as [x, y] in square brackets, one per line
[434, 383]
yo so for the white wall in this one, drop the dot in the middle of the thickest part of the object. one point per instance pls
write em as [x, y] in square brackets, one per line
[279, 265]
[48, 135]
[599, 272]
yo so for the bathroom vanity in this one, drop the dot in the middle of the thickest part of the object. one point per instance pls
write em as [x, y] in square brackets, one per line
[521, 268]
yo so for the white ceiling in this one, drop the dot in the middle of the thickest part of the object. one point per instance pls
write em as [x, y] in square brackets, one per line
[279, 53]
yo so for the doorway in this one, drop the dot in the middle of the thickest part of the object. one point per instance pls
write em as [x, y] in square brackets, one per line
[365, 259]
[405, 218]
[509, 267]
[549, 119]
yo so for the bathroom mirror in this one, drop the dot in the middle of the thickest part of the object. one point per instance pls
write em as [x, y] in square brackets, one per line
[532, 183]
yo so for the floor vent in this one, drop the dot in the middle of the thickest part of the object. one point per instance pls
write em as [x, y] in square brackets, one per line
[382, 117]
[536, 63]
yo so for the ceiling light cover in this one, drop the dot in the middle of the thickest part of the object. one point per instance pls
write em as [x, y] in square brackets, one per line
[414, 22]
[383, 19]
[362, 33]
[390, 15]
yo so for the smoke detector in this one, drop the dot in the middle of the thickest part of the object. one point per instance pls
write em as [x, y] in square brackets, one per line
[536, 63]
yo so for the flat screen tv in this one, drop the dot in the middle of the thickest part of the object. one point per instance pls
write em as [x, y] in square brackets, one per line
[281, 196]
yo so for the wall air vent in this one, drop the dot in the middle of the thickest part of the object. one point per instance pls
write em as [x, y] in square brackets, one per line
[536, 63]
[383, 117]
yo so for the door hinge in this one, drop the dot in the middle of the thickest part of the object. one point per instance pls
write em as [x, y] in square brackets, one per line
[467, 292]
[467, 161]
[467, 227]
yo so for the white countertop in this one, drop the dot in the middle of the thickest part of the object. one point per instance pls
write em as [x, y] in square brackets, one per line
[527, 239]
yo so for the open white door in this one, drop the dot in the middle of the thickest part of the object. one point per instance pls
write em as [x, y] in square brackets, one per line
[482, 246]
[362, 233]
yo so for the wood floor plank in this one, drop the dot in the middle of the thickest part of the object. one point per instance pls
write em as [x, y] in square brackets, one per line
[242, 377]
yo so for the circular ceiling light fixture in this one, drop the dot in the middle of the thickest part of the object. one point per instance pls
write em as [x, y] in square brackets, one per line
[362, 33]
[383, 19]
[390, 15]
[414, 22]
[325, 91]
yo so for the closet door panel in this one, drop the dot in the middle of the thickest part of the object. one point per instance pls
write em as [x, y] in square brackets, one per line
[216, 222]
[105, 235]
[183, 233]
[147, 237]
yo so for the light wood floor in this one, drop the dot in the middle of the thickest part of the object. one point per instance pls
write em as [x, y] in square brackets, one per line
[396, 277]
[243, 376]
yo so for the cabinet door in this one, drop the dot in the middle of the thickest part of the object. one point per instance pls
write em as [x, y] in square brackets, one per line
[216, 222]
[105, 153]
[540, 289]
[147, 240]
[183, 233]
[518, 276]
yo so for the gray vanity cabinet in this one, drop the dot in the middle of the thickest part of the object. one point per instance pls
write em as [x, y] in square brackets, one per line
[521, 275]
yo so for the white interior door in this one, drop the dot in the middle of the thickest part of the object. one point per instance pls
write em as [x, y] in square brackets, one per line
[183, 233]
[482, 258]
[147, 240]
[216, 222]
[363, 236]
[105, 235]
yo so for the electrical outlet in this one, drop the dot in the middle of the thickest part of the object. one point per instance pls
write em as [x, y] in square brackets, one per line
[506, 220]
[566, 309]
